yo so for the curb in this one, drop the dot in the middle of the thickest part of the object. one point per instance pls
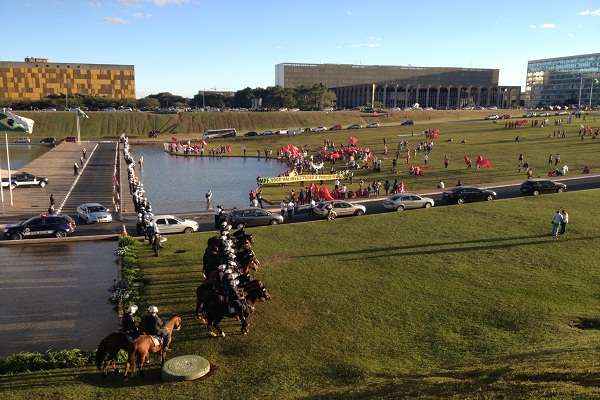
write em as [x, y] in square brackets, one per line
[72, 239]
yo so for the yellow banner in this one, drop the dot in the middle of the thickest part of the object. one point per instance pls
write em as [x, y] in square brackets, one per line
[276, 180]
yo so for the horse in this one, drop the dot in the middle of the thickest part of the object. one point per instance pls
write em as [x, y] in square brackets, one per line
[108, 349]
[144, 345]
[215, 308]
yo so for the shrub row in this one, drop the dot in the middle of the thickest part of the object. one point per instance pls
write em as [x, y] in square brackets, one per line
[51, 359]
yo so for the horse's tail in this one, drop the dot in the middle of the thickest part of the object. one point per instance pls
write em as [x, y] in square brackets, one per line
[101, 353]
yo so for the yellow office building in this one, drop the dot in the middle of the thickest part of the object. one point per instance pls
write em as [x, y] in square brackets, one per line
[36, 78]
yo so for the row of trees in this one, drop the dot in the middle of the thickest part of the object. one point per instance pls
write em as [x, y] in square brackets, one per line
[316, 97]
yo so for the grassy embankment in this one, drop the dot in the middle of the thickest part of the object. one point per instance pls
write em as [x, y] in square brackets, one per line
[473, 302]
[138, 124]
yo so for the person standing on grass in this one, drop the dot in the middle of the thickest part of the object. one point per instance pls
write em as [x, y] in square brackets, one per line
[386, 186]
[283, 207]
[565, 221]
[557, 221]
[446, 161]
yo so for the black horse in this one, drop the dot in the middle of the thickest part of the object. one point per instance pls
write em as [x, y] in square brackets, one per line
[212, 307]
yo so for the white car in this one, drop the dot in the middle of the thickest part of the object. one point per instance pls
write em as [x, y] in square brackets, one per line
[406, 201]
[373, 125]
[319, 129]
[492, 117]
[91, 213]
[341, 208]
[172, 224]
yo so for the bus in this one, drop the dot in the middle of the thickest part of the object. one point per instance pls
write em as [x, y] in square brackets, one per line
[219, 133]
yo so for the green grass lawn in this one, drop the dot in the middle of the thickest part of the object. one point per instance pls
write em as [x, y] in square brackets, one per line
[475, 301]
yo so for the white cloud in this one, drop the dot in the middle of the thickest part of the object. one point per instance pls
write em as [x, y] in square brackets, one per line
[590, 13]
[129, 2]
[115, 21]
[279, 46]
[162, 3]
[533, 26]
[548, 25]
[571, 35]
[141, 15]
[95, 3]
[348, 12]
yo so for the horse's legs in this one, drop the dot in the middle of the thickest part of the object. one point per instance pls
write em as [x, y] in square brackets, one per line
[217, 324]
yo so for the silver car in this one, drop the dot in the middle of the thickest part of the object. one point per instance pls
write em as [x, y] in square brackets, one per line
[406, 201]
[172, 224]
[341, 208]
[91, 213]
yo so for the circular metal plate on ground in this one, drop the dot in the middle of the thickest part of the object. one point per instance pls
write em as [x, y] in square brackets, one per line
[185, 368]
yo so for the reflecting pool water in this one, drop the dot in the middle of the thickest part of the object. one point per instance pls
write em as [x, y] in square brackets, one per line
[179, 184]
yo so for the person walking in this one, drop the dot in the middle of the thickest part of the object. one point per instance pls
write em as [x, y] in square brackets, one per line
[208, 197]
[565, 221]
[259, 198]
[83, 153]
[52, 202]
[75, 169]
[557, 221]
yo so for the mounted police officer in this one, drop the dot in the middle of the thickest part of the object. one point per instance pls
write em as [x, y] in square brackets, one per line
[128, 324]
[153, 325]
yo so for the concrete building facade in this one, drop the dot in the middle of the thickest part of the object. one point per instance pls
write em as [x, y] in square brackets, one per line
[36, 78]
[402, 94]
[336, 75]
[573, 80]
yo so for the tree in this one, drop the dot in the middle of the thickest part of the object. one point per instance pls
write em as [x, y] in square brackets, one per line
[148, 103]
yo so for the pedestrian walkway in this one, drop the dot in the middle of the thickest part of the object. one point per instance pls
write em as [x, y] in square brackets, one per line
[57, 166]
[95, 185]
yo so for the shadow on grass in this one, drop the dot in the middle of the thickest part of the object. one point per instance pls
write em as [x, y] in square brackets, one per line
[420, 246]
[547, 241]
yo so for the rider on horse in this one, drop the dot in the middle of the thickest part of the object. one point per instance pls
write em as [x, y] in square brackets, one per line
[152, 325]
[128, 325]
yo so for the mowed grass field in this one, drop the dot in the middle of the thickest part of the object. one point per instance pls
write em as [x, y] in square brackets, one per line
[473, 301]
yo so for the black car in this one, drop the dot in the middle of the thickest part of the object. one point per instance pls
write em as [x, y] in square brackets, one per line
[537, 186]
[250, 134]
[42, 226]
[408, 122]
[25, 179]
[462, 195]
[253, 217]
[48, 140]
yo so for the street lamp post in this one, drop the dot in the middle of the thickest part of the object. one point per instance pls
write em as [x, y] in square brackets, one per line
[580, 89]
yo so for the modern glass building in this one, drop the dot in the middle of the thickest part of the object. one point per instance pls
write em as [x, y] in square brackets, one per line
[563, 81]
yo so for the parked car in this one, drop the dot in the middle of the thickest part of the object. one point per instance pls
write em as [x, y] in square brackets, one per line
[373, 125]
[42, 226]
[341, 208]
[336, 127]
[23, 140]
[318, 129]
[492, 117]
[536, 187]
[91, 213]
[407, 201]
[172, 224]
[462, 195]
[71, 139]
[281, 132]
[355, 126]
[48, 140]
[408, 122]
[251, 134]
[267, 133]
[253, 216]
[6, 185]
[25, 179]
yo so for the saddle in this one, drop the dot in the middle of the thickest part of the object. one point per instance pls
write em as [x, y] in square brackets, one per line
[156, 340]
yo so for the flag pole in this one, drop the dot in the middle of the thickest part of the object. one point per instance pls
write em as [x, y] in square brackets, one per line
[78, 128]
[591, 91]
[9, 173]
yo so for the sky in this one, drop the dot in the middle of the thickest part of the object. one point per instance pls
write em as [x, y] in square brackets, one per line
[185, 46]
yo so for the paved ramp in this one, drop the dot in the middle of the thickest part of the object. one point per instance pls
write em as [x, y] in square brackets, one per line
[95, 185]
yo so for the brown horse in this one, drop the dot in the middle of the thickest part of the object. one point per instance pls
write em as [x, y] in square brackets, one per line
[108, 349]
[144, 345]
